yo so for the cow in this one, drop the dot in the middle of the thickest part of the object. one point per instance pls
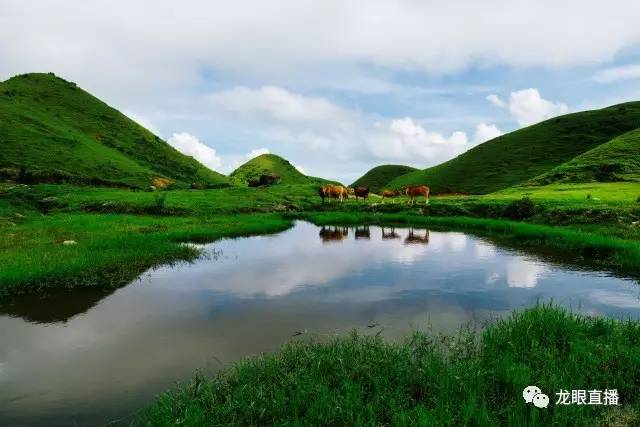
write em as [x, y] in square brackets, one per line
[389, 194]
[333, 191]
[361, 192]
[414, 191]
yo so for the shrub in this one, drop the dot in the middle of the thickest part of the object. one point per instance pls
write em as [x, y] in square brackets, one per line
[520, 209]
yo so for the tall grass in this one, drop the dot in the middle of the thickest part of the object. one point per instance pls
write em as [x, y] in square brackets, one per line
[469, 379]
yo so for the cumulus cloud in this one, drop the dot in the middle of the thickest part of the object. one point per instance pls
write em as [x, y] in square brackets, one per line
[191, 146]
[528, 107]
[496, 101]
[278, 103]
[405, 139]
[485, 132]
[614, 74]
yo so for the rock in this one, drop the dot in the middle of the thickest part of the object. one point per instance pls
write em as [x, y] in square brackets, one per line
[49, 200]
[151, 188]
[69, 243]
[196, 186]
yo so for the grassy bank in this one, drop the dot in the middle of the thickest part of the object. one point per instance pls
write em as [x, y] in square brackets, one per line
[471, 379]
[110, 249]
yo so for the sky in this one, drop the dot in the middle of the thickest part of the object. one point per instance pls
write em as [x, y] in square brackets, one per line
[334, 86]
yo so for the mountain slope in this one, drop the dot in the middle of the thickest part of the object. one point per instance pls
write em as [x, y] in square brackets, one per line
[269, 164]
[377, 178]
[616, 160]
[519, 156]
[57, 132]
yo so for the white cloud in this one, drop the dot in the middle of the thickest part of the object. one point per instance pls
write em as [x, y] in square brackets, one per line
[191, 146]
[405, 139]
[496, 101]
[99, 43]
[277, 103]
[257, 152]
[528, 107]
[614, 74]
[485, 132]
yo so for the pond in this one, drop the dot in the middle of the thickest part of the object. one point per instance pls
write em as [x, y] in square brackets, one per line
[90, 357]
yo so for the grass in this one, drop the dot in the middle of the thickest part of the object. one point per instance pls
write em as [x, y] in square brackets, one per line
[377, 178]
[475, 378]
[111, 249]
[616, 160]
[53, 131]
[519, 156]
[269, 164]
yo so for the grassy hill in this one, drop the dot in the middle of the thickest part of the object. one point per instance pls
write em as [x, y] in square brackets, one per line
[377, 178]
[519, 156]
[270, 164]
[616, 160]
[53, 131]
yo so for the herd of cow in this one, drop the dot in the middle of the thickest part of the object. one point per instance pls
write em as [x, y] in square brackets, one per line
[339, 192]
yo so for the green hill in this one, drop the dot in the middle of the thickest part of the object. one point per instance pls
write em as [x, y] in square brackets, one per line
[266, 164]
[616, 160]
[377, 178]
[519, 156]
[53, 131]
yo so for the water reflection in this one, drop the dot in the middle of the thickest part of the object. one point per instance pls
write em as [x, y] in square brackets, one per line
[101, 356]
[333, 234]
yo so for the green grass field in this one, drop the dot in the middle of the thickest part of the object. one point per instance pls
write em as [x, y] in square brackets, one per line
[56, 132]
[520, 156]
[475, 378]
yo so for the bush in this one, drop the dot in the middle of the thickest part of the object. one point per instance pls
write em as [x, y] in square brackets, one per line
[520, 209]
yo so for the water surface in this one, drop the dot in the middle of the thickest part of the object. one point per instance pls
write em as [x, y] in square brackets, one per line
[90, 357]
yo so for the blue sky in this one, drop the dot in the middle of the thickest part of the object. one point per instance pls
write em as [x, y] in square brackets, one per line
[336, 87]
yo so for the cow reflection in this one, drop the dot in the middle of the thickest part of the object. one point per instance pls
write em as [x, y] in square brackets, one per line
[333, 234]
[390, 234]
[415, 238]
[363, 232]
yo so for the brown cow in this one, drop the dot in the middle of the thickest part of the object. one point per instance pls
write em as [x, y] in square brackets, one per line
[414, 191]
[389, 194]
[361, 192]
[333, 191]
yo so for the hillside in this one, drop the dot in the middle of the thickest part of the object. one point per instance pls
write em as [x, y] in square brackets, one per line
[519, 156]
[269, 164]
[616, 160]
[377, 178]
[53, 131]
